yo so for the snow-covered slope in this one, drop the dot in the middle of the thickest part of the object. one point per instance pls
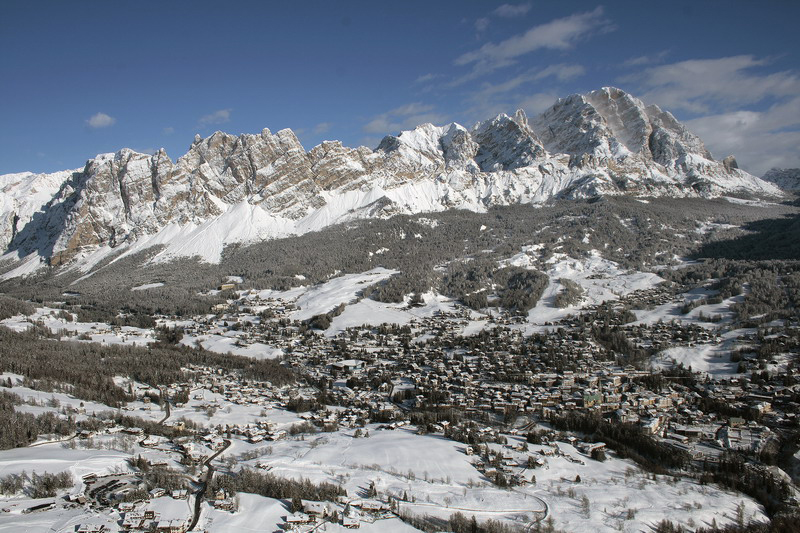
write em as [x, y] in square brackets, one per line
[22, 195]
[229, 189]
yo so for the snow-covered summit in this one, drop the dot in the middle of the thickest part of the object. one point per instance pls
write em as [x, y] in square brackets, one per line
[604, 142]
[610, 123]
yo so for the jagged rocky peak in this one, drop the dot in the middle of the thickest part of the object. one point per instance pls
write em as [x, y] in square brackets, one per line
[787, 179]
[610, 123]
[421, 147]
[502, 143]
[506, 143]
[459, 148]
[334, 165]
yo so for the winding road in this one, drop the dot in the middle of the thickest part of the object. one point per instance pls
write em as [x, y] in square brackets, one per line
[203, 482]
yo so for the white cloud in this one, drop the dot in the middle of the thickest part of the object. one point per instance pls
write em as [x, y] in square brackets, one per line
[559, 34]
[322, 127]
[512, 10]
[217, 117]
[702, 85]
[481, 24]
[759, 140]
[100, 120]
[404, 117]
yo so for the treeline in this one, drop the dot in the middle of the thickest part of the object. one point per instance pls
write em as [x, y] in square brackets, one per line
[570, 293]
[768, 238]
[35, 485]
[615, 340]
[21, 429]
[773, 287]
[733, 471]
[271, 486]
[789, 523]
[86, 370]
[627, 439]
[12, 307]
[473, 281]
[459, 523]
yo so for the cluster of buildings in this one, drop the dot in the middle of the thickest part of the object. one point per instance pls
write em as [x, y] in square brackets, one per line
[384, 374]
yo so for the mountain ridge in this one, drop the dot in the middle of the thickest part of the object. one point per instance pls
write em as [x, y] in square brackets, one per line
[228, 189]
[787, 179]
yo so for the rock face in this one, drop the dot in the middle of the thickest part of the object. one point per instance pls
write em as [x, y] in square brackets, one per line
[730, 163]
[604, 142]
[787, 179]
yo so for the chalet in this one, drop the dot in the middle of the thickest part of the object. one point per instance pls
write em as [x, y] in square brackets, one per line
[588, 447]
[139, 520]
[351, 522]
[373, 506]
[225, 504]
[317, 509]
[296, 519]
[77, 498]
[171, 526]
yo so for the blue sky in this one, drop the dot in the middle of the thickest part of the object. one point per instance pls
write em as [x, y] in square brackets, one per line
[85, 77]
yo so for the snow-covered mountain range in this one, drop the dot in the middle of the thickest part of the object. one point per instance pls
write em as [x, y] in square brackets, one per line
[228, 189]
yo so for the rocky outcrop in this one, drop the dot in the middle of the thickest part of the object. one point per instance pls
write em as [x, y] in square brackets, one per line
[730, 163]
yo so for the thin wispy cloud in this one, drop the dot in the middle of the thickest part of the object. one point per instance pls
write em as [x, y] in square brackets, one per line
[512, 10]
[520, 91]
[702, 85]
[641, 61]
[481, 24]
[322, 127]
[100, 120]
[425, 78]
[559, 34]
[169, 130]
[217, 117]
[537, 103]
[404, 117]
[561, 72]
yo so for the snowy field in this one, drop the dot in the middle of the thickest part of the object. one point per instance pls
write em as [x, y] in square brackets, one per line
[439, 476]
[82, 331]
